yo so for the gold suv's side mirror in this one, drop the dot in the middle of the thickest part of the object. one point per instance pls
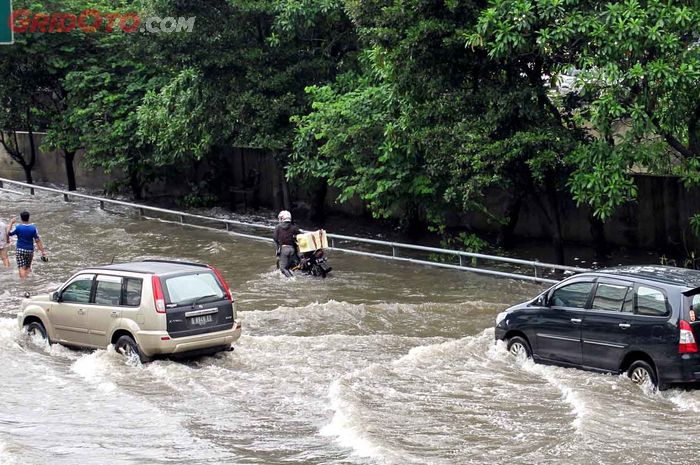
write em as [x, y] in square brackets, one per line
[55, 296]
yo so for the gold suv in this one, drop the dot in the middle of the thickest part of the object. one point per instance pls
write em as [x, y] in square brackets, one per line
[146, 309]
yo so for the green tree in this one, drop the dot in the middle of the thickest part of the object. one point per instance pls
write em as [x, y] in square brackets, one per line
[636, 104]
[106, 96]
[428, 129]
[241, 77]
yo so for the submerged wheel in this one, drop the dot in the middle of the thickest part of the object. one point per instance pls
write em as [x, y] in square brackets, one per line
[36, 328]
[317, 270]
[640, 372]
[518, 346]
[126, 346]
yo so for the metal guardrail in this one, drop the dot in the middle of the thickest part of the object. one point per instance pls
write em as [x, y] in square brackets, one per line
[537, 267]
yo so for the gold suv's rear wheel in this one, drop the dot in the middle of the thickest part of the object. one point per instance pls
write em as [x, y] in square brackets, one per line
[126, 346]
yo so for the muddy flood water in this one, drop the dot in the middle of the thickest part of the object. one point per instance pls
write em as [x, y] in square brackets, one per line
[382, 363]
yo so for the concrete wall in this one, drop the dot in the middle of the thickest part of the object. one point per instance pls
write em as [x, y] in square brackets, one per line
[657, 219]
[50, 167]
[237, 165]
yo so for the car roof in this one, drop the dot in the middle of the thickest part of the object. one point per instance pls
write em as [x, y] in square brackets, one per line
[158, 267]
[661, 274]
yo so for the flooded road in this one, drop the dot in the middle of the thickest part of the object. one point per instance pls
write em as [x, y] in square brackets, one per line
[382, 363]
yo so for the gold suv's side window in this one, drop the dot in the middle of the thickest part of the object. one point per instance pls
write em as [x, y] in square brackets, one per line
[108, 290]
[132, 298]
[79, 290]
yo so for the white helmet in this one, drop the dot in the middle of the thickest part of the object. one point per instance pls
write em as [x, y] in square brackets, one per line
[284, 216]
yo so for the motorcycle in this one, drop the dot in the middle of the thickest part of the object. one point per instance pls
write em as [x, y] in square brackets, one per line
[313, 263]
[310, 258]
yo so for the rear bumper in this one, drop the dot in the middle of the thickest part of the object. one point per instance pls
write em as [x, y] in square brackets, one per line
[678, 369]
[153, 343]
[687, 370]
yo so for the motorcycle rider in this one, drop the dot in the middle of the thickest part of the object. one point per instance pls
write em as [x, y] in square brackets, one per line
[285, 240]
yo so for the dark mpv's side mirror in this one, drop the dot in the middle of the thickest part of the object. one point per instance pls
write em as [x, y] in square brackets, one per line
[541, 301]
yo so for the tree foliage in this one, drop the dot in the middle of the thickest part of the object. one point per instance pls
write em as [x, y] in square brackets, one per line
[637, 96]
[427, 126]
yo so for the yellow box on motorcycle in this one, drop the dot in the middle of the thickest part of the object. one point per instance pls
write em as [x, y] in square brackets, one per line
[312, 241]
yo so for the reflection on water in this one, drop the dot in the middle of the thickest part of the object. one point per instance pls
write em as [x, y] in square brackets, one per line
[381, 363]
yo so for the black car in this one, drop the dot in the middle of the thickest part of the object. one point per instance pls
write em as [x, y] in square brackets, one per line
[639, 319]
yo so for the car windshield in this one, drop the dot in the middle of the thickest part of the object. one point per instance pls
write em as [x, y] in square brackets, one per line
[191, 288]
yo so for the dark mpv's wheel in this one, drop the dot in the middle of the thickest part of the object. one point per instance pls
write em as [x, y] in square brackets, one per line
[640, 372]
[518, 346]
[35, 328]
[126, 346]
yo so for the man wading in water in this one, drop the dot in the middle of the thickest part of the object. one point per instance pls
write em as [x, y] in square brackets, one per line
[26, 235]
[4, 244]
[285, 240]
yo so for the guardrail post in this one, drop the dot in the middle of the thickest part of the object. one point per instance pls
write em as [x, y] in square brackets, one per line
[141, 212]
[31, 190]
[536, 273]
[394, 251]
[65, 197]
[332, 243]
[182, 219]
[1, 185]
[228, 226]
[461, 260]
[102, 204]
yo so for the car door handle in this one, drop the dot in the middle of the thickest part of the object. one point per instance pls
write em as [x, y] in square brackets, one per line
[115, 314]
[576, 321]
[81, 311]
[624, 325]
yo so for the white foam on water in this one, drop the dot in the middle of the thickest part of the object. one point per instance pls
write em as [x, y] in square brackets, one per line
[277, 276]
[10, 454]
[552, 375]
[214, 248]
[348, 426]
[579, 408]
[688, 401]
[8, 331]
[96, 368]
[336, 313]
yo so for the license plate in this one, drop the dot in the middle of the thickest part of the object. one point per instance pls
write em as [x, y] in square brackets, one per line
[201, 320]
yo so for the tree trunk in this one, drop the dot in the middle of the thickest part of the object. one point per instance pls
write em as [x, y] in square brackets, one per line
[135, 185]
[286, 196]
[32, 150]
[318, 201]
[69, 158]
[28, 174]
[600, 244]
[512, 214]
[11, 146]
[555, 226]
[281, 181]
[550, 209]
[277, 196]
